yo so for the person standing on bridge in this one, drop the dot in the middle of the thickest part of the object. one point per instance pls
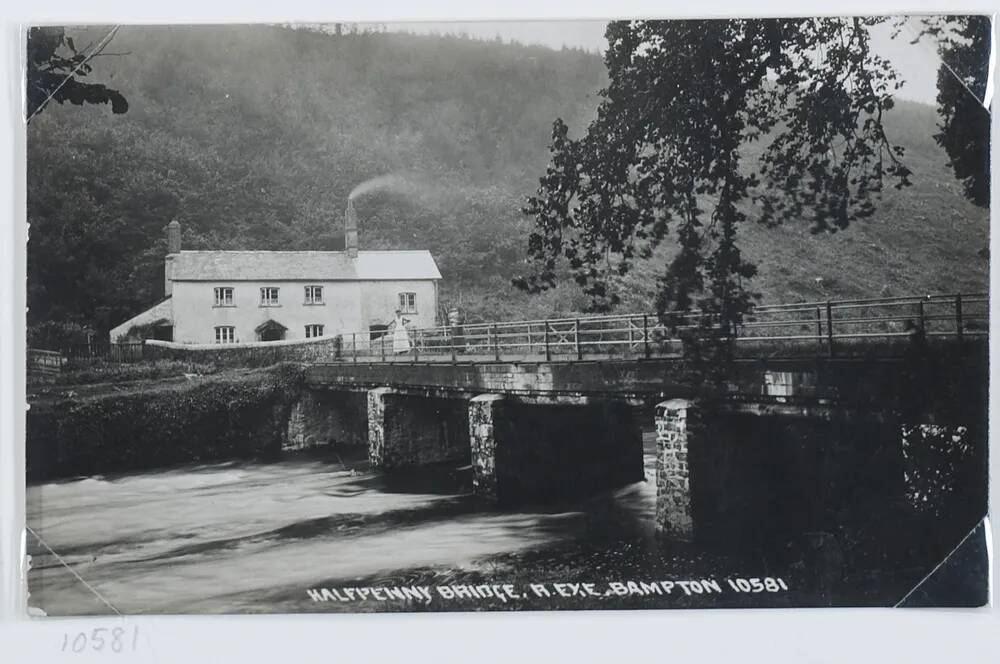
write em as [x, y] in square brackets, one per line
[400, 335]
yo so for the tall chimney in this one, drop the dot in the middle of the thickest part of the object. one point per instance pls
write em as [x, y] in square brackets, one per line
[174, 237]
[173, 247]
[351, 230]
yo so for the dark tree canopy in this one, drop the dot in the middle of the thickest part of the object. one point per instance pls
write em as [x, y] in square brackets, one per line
[964, 45]
[666, 154]
[54, 70]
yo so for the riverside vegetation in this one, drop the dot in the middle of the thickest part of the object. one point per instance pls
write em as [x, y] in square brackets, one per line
[231, 415]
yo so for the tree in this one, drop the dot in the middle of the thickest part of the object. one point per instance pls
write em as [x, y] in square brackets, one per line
[685, 103]
[54, 70]
[964, 44]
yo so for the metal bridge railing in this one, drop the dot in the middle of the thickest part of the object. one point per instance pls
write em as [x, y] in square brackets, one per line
[829, 328]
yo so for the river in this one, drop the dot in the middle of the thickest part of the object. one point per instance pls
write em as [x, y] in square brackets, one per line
[257, 537]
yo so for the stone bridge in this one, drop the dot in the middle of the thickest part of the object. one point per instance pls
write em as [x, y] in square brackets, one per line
[802, 437]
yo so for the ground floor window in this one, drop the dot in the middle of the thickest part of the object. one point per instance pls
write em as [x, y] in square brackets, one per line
[225, 334]
[314, 331]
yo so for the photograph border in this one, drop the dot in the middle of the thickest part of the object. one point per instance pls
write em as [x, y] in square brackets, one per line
[718, 635]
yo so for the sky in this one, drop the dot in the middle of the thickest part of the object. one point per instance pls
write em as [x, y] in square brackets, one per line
[917, 63]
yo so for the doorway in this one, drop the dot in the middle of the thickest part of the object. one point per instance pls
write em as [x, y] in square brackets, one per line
[271, 331]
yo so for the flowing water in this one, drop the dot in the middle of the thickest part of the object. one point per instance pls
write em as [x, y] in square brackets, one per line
[256, 537]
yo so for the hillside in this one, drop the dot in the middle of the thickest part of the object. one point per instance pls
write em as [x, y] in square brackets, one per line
[927, 238]
[255, 137]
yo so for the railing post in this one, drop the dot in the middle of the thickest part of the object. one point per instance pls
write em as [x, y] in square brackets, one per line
[451, 343]
[545, 327]
[382, 346]
[416, 345]
[645, 335]
[576, 338]
[958, 316]
[496, 342]
[819, 328]
[829, 326]
[354, 346]
[921, 324]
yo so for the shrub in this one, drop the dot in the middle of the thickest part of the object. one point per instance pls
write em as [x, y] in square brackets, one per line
[56, 334]
[221, 417]
[101, 372]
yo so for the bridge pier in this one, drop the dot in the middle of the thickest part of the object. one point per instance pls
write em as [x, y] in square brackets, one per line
[551, 451]
[327, 417]
[407, 429]
[678, 426]
[759, 471]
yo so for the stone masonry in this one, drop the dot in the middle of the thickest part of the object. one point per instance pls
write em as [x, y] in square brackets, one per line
[322, 418]
[484, 410]
[376, 431]
[677, 424]
[524, 453]
[407, 429]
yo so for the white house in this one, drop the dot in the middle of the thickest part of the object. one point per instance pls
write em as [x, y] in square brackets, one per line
[243, 296]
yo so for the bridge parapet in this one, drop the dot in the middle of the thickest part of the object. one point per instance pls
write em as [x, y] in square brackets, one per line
[833, 328]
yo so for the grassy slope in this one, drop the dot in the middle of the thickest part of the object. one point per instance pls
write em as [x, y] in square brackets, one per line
[926, 238]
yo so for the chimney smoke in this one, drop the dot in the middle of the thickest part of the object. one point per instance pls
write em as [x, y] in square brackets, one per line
[351, 230]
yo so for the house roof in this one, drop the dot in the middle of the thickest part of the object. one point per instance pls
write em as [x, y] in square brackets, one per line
[303, 265]
[161, 312]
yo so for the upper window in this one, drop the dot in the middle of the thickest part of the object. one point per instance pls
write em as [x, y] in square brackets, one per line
[269, 296]
[314, 331]
[314, 295]
[224, 296]
[408, 303]
[225, 334]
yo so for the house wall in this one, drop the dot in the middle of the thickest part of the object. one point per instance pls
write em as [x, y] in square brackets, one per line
[348, 307]
[380, 299]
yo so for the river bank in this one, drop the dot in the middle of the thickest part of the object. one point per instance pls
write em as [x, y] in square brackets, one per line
[103, 428]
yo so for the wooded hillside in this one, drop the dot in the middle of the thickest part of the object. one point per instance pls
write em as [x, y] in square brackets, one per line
[253, 138]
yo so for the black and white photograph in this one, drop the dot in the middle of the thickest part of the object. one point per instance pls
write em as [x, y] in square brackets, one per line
[507, 316]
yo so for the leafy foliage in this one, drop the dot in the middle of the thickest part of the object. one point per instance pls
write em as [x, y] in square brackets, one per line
[943, 465]
[666, 153]
[116, 372]
[964, 43]
[58, 334]
[213, 418]
[54, 70]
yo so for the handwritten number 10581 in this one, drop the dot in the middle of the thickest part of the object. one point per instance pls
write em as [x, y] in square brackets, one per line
[115, 639]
